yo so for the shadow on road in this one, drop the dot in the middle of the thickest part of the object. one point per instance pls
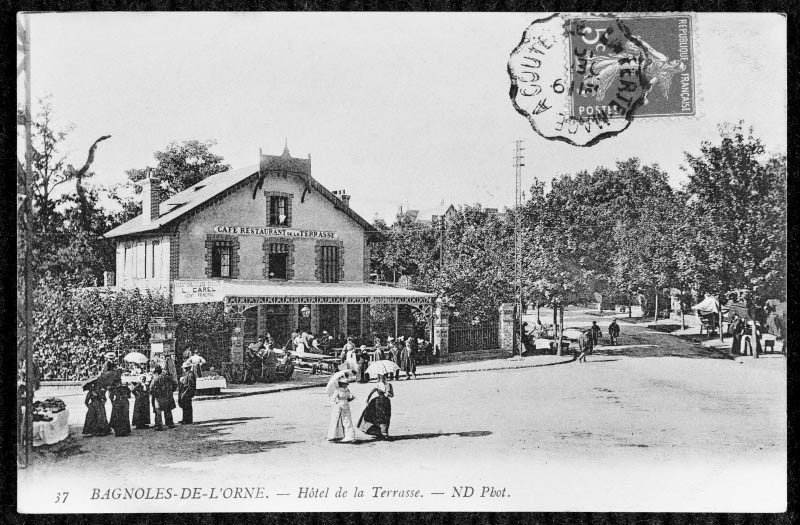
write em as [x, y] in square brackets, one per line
[230, 420]
[474, 433]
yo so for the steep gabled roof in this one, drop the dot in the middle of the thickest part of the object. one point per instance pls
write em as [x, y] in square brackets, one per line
[213, 186]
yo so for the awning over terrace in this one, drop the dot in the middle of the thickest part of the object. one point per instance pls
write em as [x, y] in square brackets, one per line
[241, 295]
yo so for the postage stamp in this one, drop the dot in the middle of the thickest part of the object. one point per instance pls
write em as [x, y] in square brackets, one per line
[583, 78]
[640, 66]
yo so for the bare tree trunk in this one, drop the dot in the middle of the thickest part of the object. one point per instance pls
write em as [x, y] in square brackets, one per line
[630, 305]
[655, 315]
[560, 328]
[555, 326]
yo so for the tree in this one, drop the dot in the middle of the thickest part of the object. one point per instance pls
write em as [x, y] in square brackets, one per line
[179, 166]
[49, 167]
[737, 202]
[67, 227]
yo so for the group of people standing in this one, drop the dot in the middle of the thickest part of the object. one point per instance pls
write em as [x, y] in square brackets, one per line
[590, 338]
[156, 395]
[403, 351]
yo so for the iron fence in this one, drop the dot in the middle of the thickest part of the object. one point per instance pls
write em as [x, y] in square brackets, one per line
[481, 336]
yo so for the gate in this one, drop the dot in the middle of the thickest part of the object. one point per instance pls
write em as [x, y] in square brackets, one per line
[481, 336]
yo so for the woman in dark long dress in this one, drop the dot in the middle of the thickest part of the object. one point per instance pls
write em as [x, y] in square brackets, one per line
[141, 406]
[363, 363]
[101, 427]
[377, 416]
[120, 410]
[186, 391]
[90, 423]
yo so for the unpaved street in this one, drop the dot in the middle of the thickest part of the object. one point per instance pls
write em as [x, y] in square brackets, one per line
[657, 423]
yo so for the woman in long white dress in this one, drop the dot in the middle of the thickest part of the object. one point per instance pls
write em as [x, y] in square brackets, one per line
[341, 424]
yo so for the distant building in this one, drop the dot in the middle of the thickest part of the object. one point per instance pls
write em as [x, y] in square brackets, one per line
[430, 216]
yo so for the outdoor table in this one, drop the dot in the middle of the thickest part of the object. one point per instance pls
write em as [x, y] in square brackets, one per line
[50, 432]
[316, 362]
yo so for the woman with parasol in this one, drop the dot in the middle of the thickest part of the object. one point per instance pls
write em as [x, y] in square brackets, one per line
[376, 417]
[341, 423]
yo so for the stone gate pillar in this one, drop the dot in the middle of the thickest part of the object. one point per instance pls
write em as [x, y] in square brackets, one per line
[162, 343]
[441, 330]
[237, 340]
[507, 334]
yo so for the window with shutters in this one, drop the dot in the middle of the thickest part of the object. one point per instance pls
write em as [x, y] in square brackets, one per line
[329, 264]
[278, 261]
[221, 258]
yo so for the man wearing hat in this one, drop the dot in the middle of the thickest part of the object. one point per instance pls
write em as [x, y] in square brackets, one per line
[186, 391]
[111, 362]
[161, 390]
[584, 345]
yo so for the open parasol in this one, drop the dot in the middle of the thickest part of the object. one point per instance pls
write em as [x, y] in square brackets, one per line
[382, 367]
[136, 357]
[342, 375]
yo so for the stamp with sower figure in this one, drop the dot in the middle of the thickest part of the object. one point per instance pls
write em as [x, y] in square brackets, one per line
[639, 65]
[583, 78]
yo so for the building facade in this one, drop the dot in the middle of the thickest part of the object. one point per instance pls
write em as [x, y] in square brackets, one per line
[284, 251]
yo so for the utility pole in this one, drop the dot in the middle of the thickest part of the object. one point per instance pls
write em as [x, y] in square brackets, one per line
[26, 214]
[519, 157]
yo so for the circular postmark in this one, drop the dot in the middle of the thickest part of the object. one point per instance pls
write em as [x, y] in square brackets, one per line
[582, 78]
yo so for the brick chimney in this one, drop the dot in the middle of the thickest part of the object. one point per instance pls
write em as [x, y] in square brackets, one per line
[343, 196]
[151, 198]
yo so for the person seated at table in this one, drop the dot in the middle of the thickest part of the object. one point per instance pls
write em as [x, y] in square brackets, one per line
[325, 342]
[315, 348]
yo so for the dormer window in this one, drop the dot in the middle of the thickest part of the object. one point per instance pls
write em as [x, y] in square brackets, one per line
[279, 209]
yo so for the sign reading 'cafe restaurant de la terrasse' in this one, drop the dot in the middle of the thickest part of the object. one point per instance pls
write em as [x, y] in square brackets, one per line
[269, 241]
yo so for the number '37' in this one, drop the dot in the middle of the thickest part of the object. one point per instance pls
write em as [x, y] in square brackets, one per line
[61, 497]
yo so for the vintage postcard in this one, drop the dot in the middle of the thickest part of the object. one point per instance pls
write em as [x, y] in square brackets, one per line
[539, 263]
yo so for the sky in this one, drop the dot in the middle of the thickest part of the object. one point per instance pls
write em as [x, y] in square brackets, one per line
[396, 109]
